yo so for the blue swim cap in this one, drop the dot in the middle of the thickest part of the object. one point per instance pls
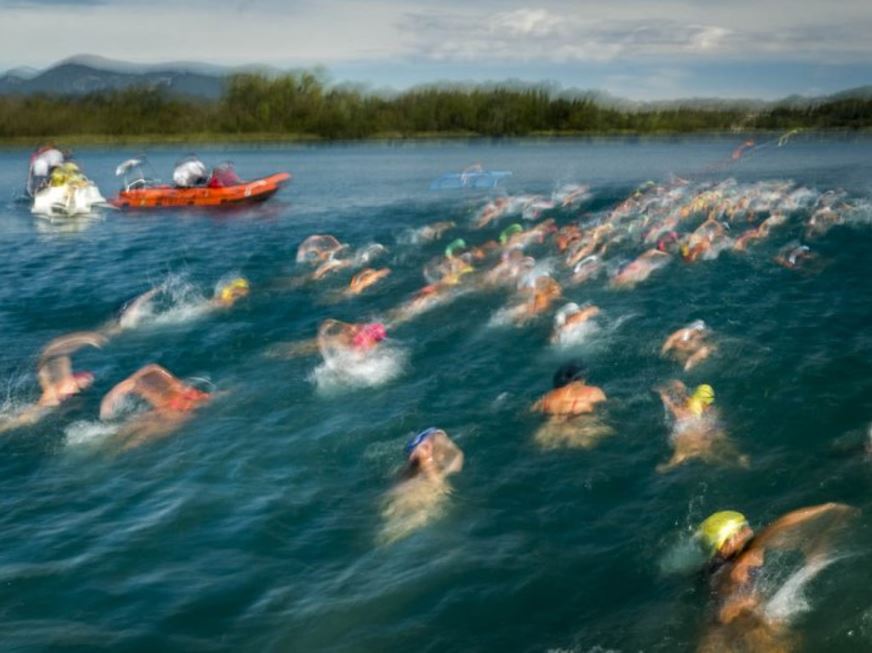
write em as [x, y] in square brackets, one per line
[418, 439]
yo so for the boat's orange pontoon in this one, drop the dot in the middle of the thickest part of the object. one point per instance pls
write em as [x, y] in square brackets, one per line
[223, 188]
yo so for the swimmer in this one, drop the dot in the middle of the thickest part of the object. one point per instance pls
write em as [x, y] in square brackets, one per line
[421, 495]
[336, 338]
[226, 295]
[794, 256]
[535, 298]
[640, 268]
[492, 211]
[433, 231]
[760, 232]
[587, 244]
[570, 408]
[701, 243]
[737, 559]
[318, 248]
[571, 194]
[566, 236]
[696, 430]
[512, 267]
[427, 298]
[689, 344]
[588, 268]
[56, 377]
[366, 278]
[571, 319]
[231, 292]
[172, 403]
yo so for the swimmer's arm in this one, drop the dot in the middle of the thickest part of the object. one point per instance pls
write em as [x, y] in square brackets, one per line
[456, 464]
[737, 605]
[70, 343]
[114, 397]
[769, 537]
[293, 349]
[30, 415]
[136, 305]
[666, 397]
[671, 340]
[697, 357]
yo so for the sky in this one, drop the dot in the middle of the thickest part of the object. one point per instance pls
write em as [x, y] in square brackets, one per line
[635, 49]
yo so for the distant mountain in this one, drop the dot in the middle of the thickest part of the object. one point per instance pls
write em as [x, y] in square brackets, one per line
[84, 74]
[88, 74]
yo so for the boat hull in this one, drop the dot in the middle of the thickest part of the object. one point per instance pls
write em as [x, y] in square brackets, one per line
[68, 200]
[162, 197]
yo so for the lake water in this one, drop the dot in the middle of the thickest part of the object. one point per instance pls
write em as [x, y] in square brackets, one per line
[255, 525]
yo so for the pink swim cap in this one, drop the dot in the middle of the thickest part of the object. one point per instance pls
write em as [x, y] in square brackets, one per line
[83, 379]
[370, 334]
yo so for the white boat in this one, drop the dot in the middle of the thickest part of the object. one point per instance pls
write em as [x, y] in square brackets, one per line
[67, 193]
[68, 200]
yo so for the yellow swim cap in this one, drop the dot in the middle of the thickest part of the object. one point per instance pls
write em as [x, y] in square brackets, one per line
[704, 393]
[720, 527]
[233, 289]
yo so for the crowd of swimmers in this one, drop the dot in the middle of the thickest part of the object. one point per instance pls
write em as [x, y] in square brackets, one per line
[657, 225]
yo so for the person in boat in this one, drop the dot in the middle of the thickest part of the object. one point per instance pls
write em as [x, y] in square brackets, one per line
[66, 174]
[190, 173]
[421, 494]
[737, 560]
[570, 407]
[56, 377]
[689, 345]
[223, 176]
[172, 402]
[697, 431]
[42, 163]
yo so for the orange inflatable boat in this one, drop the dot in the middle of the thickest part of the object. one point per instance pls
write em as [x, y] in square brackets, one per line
[222, 188]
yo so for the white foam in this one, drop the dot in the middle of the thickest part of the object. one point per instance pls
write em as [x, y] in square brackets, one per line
[354, 370]
[85, 433]
[790, 599]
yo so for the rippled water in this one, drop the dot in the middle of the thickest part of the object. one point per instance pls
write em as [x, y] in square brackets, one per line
[256, 525]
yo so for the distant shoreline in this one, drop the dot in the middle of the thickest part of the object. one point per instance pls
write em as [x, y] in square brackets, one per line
[269, 138]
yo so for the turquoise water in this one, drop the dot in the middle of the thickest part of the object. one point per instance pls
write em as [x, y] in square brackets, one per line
[255, 526]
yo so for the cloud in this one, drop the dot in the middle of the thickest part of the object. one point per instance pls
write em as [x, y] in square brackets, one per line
[541, 34]
[24, 4]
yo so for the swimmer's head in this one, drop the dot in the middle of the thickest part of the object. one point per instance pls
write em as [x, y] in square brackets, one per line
[695, 327]
[233, 290]
[705, 393]
[369, 335]
[724, 533]
[83, 379]
[703, 397]
[574, 370]
[564, 312]
[667, 242]
[454, 246]
[415, 442]
[510, 231]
